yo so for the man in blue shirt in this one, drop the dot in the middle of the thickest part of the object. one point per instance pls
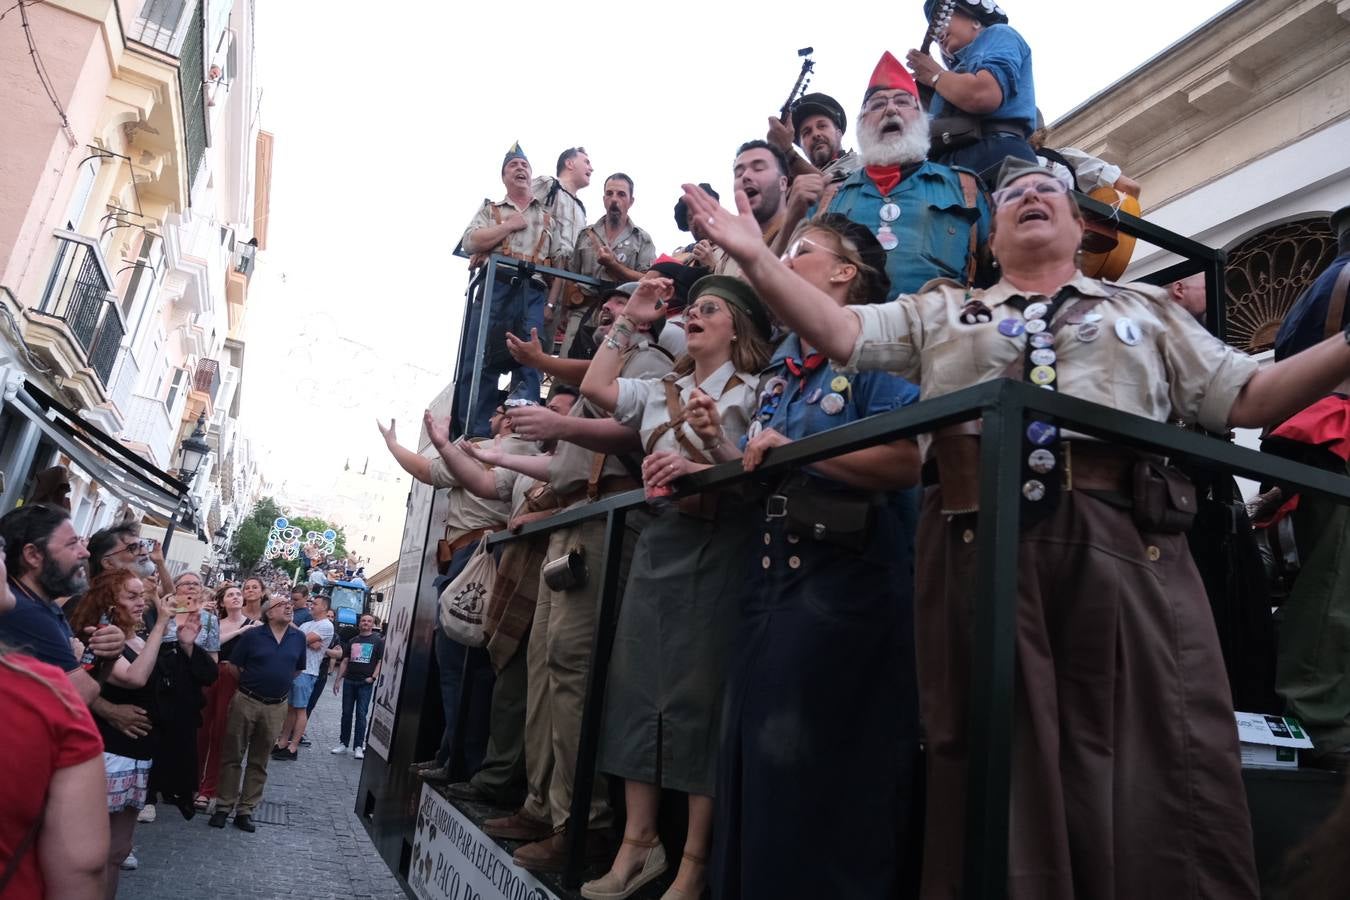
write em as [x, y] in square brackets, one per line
[929, 218]
[45, 559]
[268, 660]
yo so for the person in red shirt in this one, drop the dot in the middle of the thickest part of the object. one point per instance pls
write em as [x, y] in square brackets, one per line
[54, 830]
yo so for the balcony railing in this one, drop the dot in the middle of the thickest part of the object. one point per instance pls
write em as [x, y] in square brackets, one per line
[79, 294]
[206, 378]
[157, 25]
[191, 76]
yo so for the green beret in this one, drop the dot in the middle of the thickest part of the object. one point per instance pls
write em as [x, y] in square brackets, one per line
[738, 294]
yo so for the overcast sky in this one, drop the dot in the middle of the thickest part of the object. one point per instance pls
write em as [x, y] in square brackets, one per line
[391, 122]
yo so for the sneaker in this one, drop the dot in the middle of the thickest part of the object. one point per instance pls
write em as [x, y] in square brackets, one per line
[359, 753]
[147, 813]
[130, 863]
[340, 748]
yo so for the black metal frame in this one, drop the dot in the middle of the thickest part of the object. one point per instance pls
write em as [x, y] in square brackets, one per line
[1002, 406]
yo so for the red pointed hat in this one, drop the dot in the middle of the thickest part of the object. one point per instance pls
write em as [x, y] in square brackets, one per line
[890, 75]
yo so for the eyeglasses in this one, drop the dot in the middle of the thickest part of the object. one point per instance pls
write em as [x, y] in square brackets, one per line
[706, 308]
[899, 101]
[1048, 186]
[795, 250]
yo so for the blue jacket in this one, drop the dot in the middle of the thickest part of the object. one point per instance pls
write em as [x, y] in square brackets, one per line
[933, 227]
[1000, 51]
[1305, 323]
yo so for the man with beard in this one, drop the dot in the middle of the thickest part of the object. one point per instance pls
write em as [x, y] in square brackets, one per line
[929, 218]
[587, 465]
[121, 547]
[816, 125]
[612, 250]
[45, 559]
[761, 170]
[520, 227]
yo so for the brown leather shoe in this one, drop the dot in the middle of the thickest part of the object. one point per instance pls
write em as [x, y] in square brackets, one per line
[518, 827]
[550, 854]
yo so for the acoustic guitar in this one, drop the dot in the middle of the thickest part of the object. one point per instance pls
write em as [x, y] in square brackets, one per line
[1106, 250]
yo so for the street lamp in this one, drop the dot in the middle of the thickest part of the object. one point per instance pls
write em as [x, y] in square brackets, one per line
[219, 539]
[194, 449]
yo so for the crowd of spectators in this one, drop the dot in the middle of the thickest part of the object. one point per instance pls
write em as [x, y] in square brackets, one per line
[126, 690]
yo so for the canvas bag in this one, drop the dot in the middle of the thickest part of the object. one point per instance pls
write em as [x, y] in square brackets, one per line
[463, 602]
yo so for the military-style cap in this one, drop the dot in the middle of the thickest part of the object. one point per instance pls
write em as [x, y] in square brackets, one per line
[738, 294]
[890, 75]
[626, 289]
[817, 105]
[986, 12]
[685, 277]
[1015, 167]
[682, 212]
[514, 153]
[1340, 223]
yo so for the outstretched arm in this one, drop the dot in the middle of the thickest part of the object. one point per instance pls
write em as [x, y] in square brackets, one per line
[601, 384]
[804, 308]
[415, 464]
[1278, 391]
[531, 353]
[467, 471]
[539, 423]
[534, 466]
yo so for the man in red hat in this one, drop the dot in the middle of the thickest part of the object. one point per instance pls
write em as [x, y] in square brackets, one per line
[930, 218]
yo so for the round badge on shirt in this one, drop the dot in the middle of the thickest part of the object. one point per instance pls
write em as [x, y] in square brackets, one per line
[1011, 328]
[1043, 356]
[1036, 311]
[1036, 326]
[832, 404]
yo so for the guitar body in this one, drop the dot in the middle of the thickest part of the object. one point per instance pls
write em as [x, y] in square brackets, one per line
[1106, 251]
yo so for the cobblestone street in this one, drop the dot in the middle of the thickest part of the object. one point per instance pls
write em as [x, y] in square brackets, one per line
[309, 844]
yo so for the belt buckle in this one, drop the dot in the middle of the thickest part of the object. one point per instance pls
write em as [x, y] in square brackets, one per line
[775, 507]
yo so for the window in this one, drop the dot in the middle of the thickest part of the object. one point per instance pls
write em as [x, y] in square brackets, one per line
[176, 388]
[79, 197]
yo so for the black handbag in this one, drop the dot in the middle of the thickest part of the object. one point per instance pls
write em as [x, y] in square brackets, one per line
[951, 133]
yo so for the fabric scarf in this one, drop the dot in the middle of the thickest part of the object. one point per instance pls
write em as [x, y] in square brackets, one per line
[884, 177]
[799, 367]
[514, 596]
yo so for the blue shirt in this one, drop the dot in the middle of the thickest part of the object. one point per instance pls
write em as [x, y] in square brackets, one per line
[268, 666]
[933, 226]
[1305, 323]
[301, 617]
[39, 628]
[1000, 51]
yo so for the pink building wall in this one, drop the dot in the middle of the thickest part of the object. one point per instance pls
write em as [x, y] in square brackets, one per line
[38, 160]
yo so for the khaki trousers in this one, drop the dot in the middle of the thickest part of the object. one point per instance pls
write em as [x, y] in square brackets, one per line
[251, 729]
[1126, 782]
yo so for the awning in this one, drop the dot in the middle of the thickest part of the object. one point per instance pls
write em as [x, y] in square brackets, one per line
[126, 475]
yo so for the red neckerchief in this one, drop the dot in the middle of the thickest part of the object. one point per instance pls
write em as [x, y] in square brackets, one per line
[799, 368]
[884, 177]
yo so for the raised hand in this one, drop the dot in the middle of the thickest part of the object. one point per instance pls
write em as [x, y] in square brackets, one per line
[737, 233]
[649, 300]
[537, 423]
[438, 430]
[703, 416]
[389, 434]
[781, 133]
[527, 353]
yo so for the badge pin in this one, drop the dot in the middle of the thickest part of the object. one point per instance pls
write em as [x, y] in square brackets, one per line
[1128, 332]
[1042, 375]
[1041, 461]
[1092, 317]
[1089, 331]
[1033, 490]
[832, 404]
[1042, 356]
[1036, 326]
[1011, 328]
[887, 239]
[814, 396]
[1036, 311]
[1042, 433]
[889, 212]
[1042, 340]
[839, 384]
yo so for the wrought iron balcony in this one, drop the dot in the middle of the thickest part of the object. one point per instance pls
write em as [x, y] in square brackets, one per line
[79, 294]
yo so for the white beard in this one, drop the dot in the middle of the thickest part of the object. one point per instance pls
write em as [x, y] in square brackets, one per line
[909, 146]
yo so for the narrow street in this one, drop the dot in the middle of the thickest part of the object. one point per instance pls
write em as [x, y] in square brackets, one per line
[309, 844]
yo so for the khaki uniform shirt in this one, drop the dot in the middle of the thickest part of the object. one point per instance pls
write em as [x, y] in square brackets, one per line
[567, 210]
[642, 405]
[1175, 370]
[633, 247]
[538, 241]
[512, 486]
[570, 469]
[467, 511]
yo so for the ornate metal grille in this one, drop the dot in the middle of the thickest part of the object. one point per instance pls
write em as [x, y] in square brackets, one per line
[1267, 272]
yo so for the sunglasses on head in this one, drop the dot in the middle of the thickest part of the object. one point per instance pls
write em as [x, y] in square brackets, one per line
[1009, 194]
[798, 248]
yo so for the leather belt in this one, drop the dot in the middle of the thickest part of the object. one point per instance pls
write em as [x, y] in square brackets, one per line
[1088, 466]
[268, 701]
[467, 538]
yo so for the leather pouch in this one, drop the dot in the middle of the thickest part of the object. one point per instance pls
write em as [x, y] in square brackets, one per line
[1164, 499]
[950, 133]
[844, 520]
[566, 572]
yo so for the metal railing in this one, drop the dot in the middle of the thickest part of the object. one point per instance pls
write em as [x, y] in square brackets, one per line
[1003, 407]
[191, 78]
[79, 293]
